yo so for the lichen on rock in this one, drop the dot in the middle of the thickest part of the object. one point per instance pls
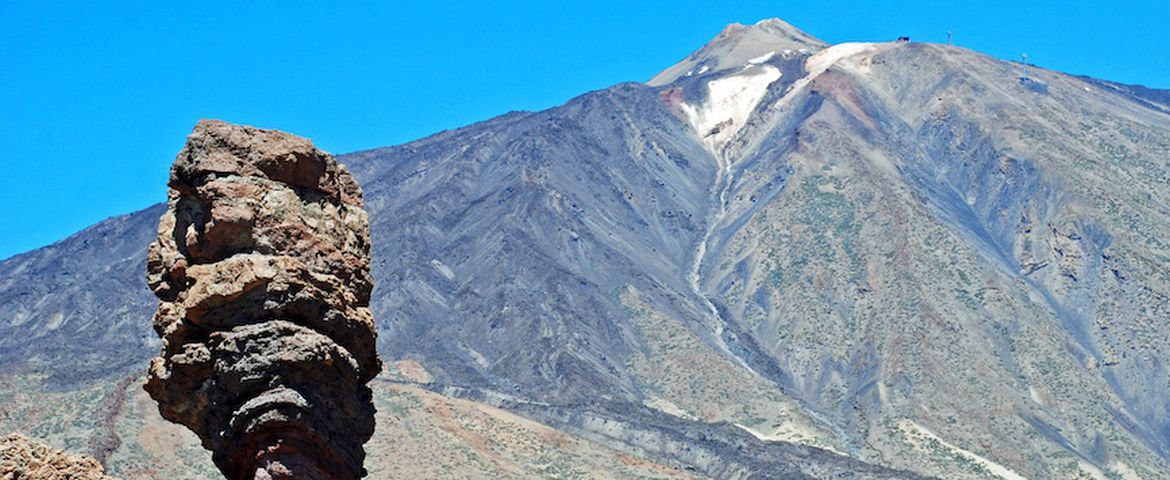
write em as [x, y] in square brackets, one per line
[262, 269]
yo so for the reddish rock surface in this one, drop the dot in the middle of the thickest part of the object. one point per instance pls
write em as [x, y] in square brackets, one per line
[262, 269]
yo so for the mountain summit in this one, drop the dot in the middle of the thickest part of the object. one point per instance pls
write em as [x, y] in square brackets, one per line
[739, 45]
[777, 258]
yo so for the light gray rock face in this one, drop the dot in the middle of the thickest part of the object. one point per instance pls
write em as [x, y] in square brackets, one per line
[902, 252]
[262, 270]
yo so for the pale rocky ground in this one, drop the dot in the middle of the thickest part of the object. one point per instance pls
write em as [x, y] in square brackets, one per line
[420, 434]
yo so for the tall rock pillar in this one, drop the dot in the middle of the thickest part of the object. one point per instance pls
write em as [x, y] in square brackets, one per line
[262, 270]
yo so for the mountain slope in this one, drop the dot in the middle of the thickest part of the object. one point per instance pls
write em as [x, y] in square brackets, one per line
[75, 309]
[905, 253]
[973, 256]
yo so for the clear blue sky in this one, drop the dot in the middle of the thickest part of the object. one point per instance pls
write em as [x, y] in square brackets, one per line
[97, 97]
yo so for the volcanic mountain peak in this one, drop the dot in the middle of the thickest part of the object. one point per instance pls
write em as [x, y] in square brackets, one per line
[739, 45]
[718, 87]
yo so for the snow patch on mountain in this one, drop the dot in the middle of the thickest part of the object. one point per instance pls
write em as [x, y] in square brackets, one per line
[730, 100]
[843, 54]
[762, 58]
[822, 60]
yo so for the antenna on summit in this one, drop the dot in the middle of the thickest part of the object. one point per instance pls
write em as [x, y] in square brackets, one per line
[1024, 57]
[950, 37]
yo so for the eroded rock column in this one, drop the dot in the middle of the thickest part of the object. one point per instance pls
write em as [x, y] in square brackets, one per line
[262, 269]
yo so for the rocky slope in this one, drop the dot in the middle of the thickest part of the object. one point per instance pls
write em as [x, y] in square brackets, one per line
[905, 253]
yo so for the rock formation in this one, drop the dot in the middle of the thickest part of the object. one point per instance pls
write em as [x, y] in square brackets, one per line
[22, 458]
[262, 269]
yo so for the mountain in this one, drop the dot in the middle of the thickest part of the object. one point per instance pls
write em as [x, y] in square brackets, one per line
[776, 254]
